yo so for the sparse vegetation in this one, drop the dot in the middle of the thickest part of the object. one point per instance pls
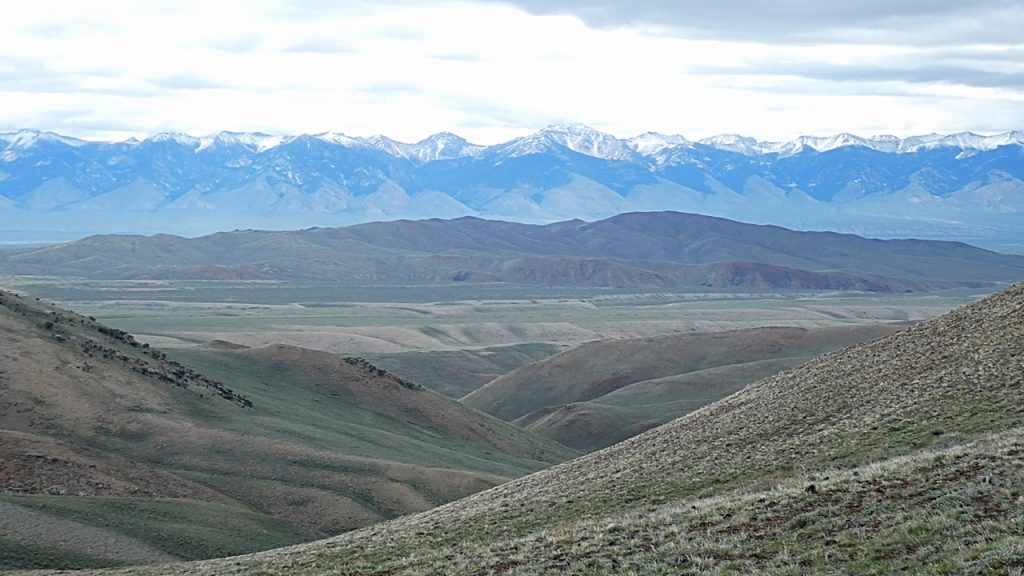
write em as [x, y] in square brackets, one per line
[912, 444]
[126, 446]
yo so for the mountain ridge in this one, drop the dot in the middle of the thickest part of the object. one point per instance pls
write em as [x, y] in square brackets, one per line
[668, 249]
[577, 137]
[962, 186]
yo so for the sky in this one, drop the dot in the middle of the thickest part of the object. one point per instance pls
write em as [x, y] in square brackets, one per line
[491, 70]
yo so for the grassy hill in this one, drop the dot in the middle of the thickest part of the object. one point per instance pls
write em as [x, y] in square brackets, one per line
[111, 452]
[456, 373]
[899, 455]
[603, 392]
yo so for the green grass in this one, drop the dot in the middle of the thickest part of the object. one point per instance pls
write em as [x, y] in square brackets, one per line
[294, 406]
[17, 555]
[185, 529]
[325, 447]
[913, 445]
[456, 373]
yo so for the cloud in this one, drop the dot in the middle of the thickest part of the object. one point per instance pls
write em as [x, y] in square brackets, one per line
[187, 82]
[803, 21]
[457, 57]
[870, 73]
[491, 70]
[321, 46]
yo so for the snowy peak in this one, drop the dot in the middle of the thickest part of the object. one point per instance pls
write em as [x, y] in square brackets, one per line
[651, 143]
[339, 138]
[578, 138]
[735, 143]
[255, 141]
[25, 139]
[175, 137]
[966, 141]
[443, 146]
[552, 139]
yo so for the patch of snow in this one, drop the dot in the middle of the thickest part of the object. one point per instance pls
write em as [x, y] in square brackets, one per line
[651, 143]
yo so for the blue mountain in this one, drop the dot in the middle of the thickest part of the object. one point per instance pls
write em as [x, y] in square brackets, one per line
[956, 187]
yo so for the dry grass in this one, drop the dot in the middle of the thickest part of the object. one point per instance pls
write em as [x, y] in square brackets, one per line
[327, 445]
[594, 395]
[912, 442]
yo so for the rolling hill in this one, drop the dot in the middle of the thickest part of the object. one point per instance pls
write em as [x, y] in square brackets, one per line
[663, 249]
[603, 392]
[894, 456]
[111, 452]
[456, 373]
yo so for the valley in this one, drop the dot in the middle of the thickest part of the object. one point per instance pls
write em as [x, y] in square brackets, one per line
[828, 466]
[512, 288]
[173, 410]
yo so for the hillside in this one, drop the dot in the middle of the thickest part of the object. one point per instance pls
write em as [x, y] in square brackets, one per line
[113, 453]
[662, 249]
[962, 187]
[456, 373]
[898, 455]
[603, 392]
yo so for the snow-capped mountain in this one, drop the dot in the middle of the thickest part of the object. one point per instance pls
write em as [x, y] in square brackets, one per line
[441, 146]
[650, 143]
[959, 186]
[581, 139]
[256, 142]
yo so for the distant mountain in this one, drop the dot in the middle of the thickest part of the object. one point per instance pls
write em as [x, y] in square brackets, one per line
[963, 186]
[661, 249]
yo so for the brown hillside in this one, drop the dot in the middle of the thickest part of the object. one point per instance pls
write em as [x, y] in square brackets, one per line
[288, 442]
[590, 371]
[654, 249]
[897, 455]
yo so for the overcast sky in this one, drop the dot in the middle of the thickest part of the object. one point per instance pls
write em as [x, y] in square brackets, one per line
[491, 70]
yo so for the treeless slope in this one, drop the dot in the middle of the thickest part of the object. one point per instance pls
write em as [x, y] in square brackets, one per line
[901, 454]
[595, 369]
[456, 373]
[291, 444]
[362, 385]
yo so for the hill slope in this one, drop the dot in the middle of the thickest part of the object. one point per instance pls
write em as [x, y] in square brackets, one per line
[662, 249]
[902, 454]
[592, 370]
[700, 370]
[106, 440]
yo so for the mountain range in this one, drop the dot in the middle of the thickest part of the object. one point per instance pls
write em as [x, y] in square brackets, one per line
[960, 186]
[644, 249]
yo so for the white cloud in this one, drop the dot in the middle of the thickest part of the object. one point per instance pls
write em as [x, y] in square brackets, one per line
[488, 71]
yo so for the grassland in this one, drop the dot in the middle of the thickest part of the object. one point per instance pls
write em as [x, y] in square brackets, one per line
[44, 531]
[320, 462]
[902, 455]
[110, 441]
[415, 318]
[600, 393]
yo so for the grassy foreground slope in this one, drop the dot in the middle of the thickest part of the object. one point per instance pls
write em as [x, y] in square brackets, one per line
[112, 453]
[899, 455]
[600, 393]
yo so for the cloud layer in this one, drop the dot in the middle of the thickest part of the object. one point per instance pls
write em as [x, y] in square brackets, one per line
[491, 70]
